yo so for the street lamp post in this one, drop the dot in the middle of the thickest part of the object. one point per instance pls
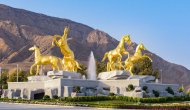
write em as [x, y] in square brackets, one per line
[17, 72]
[161, 76]
[1, 81]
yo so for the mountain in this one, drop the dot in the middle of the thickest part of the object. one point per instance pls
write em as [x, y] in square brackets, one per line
[20, 29]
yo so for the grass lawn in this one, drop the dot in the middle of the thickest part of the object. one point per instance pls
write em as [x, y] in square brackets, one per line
[132, 105]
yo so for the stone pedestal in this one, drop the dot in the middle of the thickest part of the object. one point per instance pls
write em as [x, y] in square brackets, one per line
[114, 90]
[113, 75]
[51, 92]
[142, 78]
[5, 93]
[63, 74]
[38, 78]
[11, 94]
[24, 93]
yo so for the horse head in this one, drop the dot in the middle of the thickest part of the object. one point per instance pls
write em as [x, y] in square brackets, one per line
[66, 30]
[33, 48]
[141, 46]
[127, 39]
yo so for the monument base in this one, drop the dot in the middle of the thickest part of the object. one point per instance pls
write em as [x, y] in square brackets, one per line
[38, 78]
[112, 75]
[143, 78]
[63, 74]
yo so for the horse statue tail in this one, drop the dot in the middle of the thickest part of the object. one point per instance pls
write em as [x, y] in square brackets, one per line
[78, 66]
[147, 56]
[61, 62]
[105, 56]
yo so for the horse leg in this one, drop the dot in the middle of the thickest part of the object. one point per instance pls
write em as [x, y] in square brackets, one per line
[56, 66]
[111, 63]
[62, 64]
[77, 66]
[73, 65]
[31, 68]
[53, 67]
[130, 70]
[37, 69]
[119, 63]
[112, 66]
[108, 67]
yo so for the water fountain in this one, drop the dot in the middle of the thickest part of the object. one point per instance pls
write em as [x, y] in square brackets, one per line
[91, 71]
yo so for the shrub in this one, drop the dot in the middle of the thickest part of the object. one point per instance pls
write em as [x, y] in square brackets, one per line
[5, 86]
[46, 97]
[181, 89]
[76, 89]
[111, 94]
[170, 90]
[55, 97]
[130, 87]
[156, 93]
[145, 88]
[87, 98]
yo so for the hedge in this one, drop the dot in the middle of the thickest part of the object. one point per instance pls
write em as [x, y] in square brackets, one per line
[104, 98]
[124, 98]
[83, 101]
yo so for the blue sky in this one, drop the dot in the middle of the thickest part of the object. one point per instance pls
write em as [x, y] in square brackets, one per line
[162, 25]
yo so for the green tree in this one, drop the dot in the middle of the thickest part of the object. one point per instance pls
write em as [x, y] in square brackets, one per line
[156, 93]
[130, 87]
[156, 73]
[33, 72]
[22, 76]
[170, 90]
[181, 89]
[83, 70]
[145, 88]
[100, 67]
[4, 78]
[135, 69]
[143, 66]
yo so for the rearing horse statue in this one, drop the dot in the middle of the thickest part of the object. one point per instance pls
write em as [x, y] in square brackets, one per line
[43, 60]
[63, 45]
[115, 56]
[129, 62]
[68, 63]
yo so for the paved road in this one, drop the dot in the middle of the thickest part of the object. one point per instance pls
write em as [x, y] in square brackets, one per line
[13, 106]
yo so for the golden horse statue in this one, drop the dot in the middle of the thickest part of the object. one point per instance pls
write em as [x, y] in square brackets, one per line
[138, 54]
[115, 56]
[68, 63]
[43, 60]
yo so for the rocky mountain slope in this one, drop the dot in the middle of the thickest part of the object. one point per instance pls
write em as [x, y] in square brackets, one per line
[21, 29]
